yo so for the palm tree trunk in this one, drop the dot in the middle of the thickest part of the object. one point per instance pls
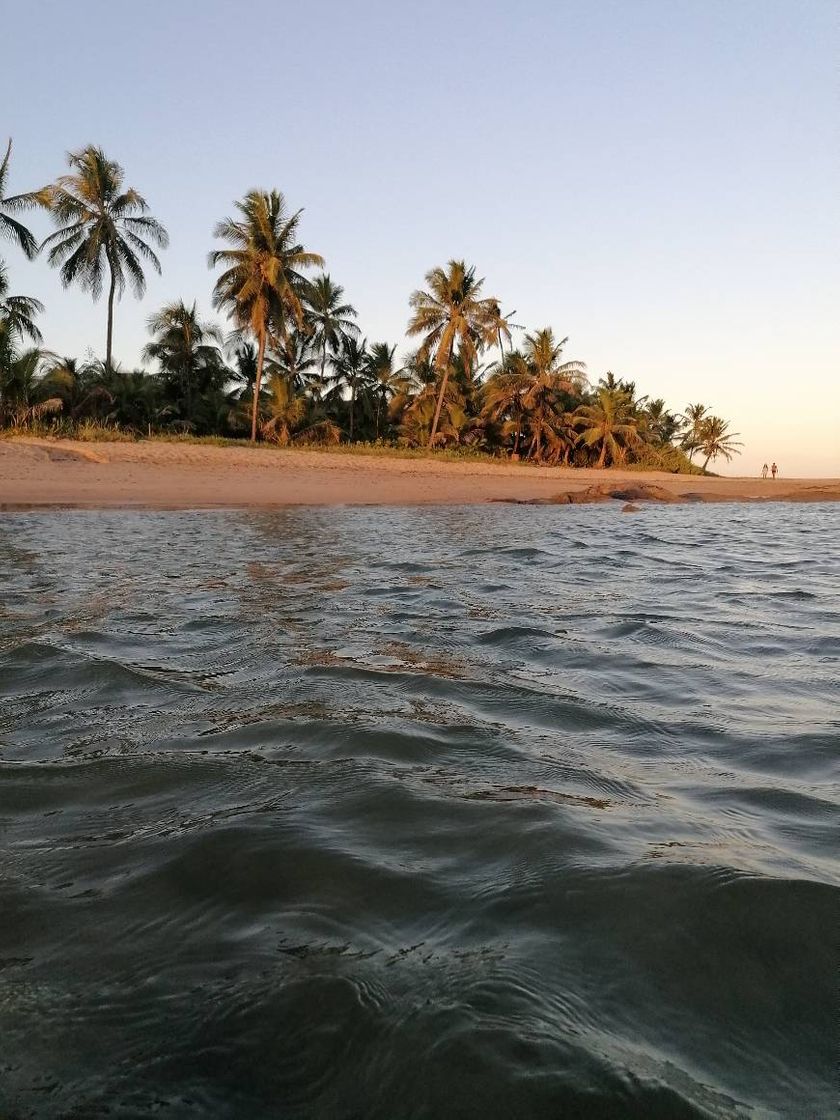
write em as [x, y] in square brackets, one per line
[257, 383]
[111, 290]
[501, 351]
[436, 420]
[352, 406]
[602, 461]
[708, 457]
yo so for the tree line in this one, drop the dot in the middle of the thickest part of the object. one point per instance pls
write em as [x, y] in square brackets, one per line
[292, 367]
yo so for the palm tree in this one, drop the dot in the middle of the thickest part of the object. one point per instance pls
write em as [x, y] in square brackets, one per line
[17, 313]
[451, 312]
[352, 371]
[716, 440]
[293, 357]
[332, 319]
[609, 421]
[187, 351]
[500, 325]
[543, 352]
[262, 283]
[692, 422]
[10, 228]
[387, 380]
[503, 397]
[661, 425]
[286, 410]
[103, 225]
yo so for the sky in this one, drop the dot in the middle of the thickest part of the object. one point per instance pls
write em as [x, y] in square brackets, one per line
[656, 179]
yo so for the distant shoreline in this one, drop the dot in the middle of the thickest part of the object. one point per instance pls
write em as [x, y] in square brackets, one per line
[38, 473]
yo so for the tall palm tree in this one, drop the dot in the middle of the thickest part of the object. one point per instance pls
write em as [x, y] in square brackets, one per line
[10, 228]
[609, 421]
[352, 371]
[104, 226]
[452, 311]
[263, 281]
[387, 379]
[500, 325]
[332, 319]
[716, 440]
[187, 350]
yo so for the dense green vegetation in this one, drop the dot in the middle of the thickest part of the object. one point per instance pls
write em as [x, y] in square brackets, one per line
[292, 367]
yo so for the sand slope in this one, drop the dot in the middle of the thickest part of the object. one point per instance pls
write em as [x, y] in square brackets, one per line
[183, 475]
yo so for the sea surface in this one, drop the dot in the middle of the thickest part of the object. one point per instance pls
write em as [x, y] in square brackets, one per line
[498, 811]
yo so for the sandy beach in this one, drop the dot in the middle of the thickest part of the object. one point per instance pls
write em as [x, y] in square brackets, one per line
[182, 475]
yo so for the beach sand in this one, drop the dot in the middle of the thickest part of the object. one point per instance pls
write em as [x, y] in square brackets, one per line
[157, 475]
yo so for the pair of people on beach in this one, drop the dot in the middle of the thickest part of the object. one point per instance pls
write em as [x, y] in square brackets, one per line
[773, 470]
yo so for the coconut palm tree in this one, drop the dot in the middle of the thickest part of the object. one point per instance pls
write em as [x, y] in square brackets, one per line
[286, 410]
[452, 312]
[660, 425]
[293, 357]
[263, 282]
[17, 313]
[543, 352]
[692, 422]
[610, 421]
[332, 320]
[104, 227]
[503, 397]
[351, 365]
[500, 325]
[717, 441]
[386, 378]
[10, 228]
[188, 352]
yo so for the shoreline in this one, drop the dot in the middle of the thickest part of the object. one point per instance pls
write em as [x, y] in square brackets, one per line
[70, 474]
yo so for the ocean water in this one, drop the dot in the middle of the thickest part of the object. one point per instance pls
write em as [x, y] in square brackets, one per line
[418, 813]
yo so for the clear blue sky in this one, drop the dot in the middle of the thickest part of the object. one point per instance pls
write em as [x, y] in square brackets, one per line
[657, 179]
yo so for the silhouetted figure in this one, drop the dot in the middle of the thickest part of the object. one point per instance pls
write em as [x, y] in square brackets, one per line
[764, 471]
[773, 470]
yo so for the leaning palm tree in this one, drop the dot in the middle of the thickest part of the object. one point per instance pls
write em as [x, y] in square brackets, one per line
[452, 311]
[332, 320]
[104, 227]
[609, 421]
[187, 350]
[10, 228]
[263, 279]
[715, 440]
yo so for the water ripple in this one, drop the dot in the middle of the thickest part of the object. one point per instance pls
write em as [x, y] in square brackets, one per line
[359, 813]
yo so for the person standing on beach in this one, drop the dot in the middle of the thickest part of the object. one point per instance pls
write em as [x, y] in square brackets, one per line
[764, 471]
[773, 470]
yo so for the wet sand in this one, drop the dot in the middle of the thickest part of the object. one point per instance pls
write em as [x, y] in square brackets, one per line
[188, 476]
